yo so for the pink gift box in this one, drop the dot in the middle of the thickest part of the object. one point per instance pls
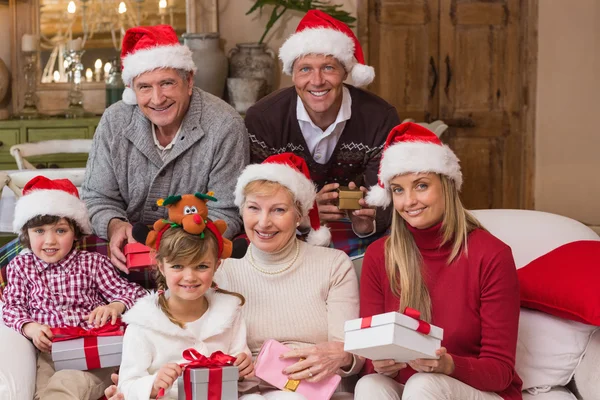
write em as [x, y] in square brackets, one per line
[269, 366]
[138, 255]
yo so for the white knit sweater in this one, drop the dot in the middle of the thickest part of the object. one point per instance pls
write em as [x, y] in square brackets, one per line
[302, 306]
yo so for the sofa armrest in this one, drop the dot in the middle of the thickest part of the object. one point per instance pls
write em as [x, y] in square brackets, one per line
[17, 365]
[588, 371]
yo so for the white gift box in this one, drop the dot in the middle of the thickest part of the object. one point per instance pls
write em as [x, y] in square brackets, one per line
[391, 336]
[71, 354]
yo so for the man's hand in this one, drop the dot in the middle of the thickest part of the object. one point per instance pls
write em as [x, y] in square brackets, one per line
[119, 233]
[101, 314]
[40, 334]
[245, 365]
[328, 211]
[363, 219]
[165, 378]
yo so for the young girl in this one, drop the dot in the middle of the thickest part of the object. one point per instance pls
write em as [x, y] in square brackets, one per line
[188, 311]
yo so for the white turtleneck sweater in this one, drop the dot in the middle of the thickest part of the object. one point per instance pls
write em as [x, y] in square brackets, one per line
[299, 307]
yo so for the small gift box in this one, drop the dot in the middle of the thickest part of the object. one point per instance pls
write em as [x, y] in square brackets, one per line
[138, 255]
[401, 337]
[348, 199]
[269, 368]
[206, 378]
[80, 349]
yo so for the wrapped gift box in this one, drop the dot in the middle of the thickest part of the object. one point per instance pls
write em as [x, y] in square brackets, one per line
[138, 255]
[348, 199]
[87, 353]
[199, 383]
[392, 336]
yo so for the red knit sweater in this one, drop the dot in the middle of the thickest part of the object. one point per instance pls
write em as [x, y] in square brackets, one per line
[475, 300]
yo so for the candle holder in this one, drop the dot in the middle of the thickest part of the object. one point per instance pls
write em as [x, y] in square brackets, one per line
[30, 110]
[76, 76]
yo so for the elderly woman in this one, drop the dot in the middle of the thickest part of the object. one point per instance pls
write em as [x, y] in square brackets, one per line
[440, 261]
[297, 293]
[164, 137]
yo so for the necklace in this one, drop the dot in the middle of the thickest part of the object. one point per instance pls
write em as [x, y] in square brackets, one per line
[259, 269]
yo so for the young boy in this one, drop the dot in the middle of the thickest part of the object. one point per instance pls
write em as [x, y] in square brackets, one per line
[55, 285]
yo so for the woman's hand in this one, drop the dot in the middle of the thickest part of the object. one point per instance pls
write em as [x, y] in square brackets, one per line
[444, 365]
[388, 367]
[319, 362]
[101, 314]
[165, 378]
[245, 365]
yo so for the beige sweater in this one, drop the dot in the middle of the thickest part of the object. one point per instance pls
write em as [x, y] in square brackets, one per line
[302, 306]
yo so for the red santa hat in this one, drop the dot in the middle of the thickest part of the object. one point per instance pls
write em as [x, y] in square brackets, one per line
[320, 33]
[291, 171]
[146, 48]
[412, 148]
[58, 197]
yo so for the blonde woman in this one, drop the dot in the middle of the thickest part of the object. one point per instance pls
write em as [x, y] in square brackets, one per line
[297, 293]
[439, 260]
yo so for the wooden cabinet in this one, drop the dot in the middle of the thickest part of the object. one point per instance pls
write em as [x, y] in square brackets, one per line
[24, 131]
[469, 63]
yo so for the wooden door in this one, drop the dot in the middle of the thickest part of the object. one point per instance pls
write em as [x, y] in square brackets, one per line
[403, 49]
[481, 53]
[480, 97]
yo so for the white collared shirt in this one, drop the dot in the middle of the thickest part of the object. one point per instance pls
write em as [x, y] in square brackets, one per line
[164, 150]
[321, 144]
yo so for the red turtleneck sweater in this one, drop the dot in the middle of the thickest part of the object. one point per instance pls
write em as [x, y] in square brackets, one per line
[475, 300]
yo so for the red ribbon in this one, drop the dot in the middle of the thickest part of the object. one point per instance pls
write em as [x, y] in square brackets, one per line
[215, 363]
[423, 327]
[90, 339]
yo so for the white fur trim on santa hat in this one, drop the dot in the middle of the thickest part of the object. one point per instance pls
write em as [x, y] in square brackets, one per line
[174, 56]
[319, 237]
[302, 188]
[51, 202]
[129, 96]
[413, 157]
[317, 41]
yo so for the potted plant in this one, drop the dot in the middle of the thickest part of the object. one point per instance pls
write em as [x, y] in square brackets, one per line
[251, 61]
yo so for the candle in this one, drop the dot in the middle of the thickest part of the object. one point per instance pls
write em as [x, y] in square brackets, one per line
[98, 70]
[122, 8]
[75, 44]
[88, 75]
[56, 76]
[107, 68]
[162, 7]
[28, 42]
[71, 8]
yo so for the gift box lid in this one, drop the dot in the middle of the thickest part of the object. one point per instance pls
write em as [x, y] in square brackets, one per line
[345, 193]
[392, 318]
[200, 375]
[134, 248]
[72, 349]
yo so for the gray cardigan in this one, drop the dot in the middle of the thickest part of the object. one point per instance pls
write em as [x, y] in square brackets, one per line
[125, 174]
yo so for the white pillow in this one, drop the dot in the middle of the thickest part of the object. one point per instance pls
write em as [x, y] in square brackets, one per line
[558, 393]
[549, 348]
[17, 365]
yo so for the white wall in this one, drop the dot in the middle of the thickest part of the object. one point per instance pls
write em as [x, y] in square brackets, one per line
[567, 178]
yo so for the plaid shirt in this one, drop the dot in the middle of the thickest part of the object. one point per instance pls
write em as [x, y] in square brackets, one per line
[63, 293]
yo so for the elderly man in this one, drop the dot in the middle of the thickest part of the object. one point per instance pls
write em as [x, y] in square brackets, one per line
[165, 137]
[338, 129]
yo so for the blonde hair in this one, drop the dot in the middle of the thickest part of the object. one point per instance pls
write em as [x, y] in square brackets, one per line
[179, 247]
[263, 187]
[403, 259]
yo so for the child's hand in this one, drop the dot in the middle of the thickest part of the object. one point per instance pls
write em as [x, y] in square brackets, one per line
[102, 314]
[165, 378]
[245, 365]
[40, 334]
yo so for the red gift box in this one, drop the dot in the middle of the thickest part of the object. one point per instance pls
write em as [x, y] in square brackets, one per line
[138, 255]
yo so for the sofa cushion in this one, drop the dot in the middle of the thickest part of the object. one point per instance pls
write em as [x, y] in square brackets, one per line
[549, 349]
[558, 393]
[564, 282]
